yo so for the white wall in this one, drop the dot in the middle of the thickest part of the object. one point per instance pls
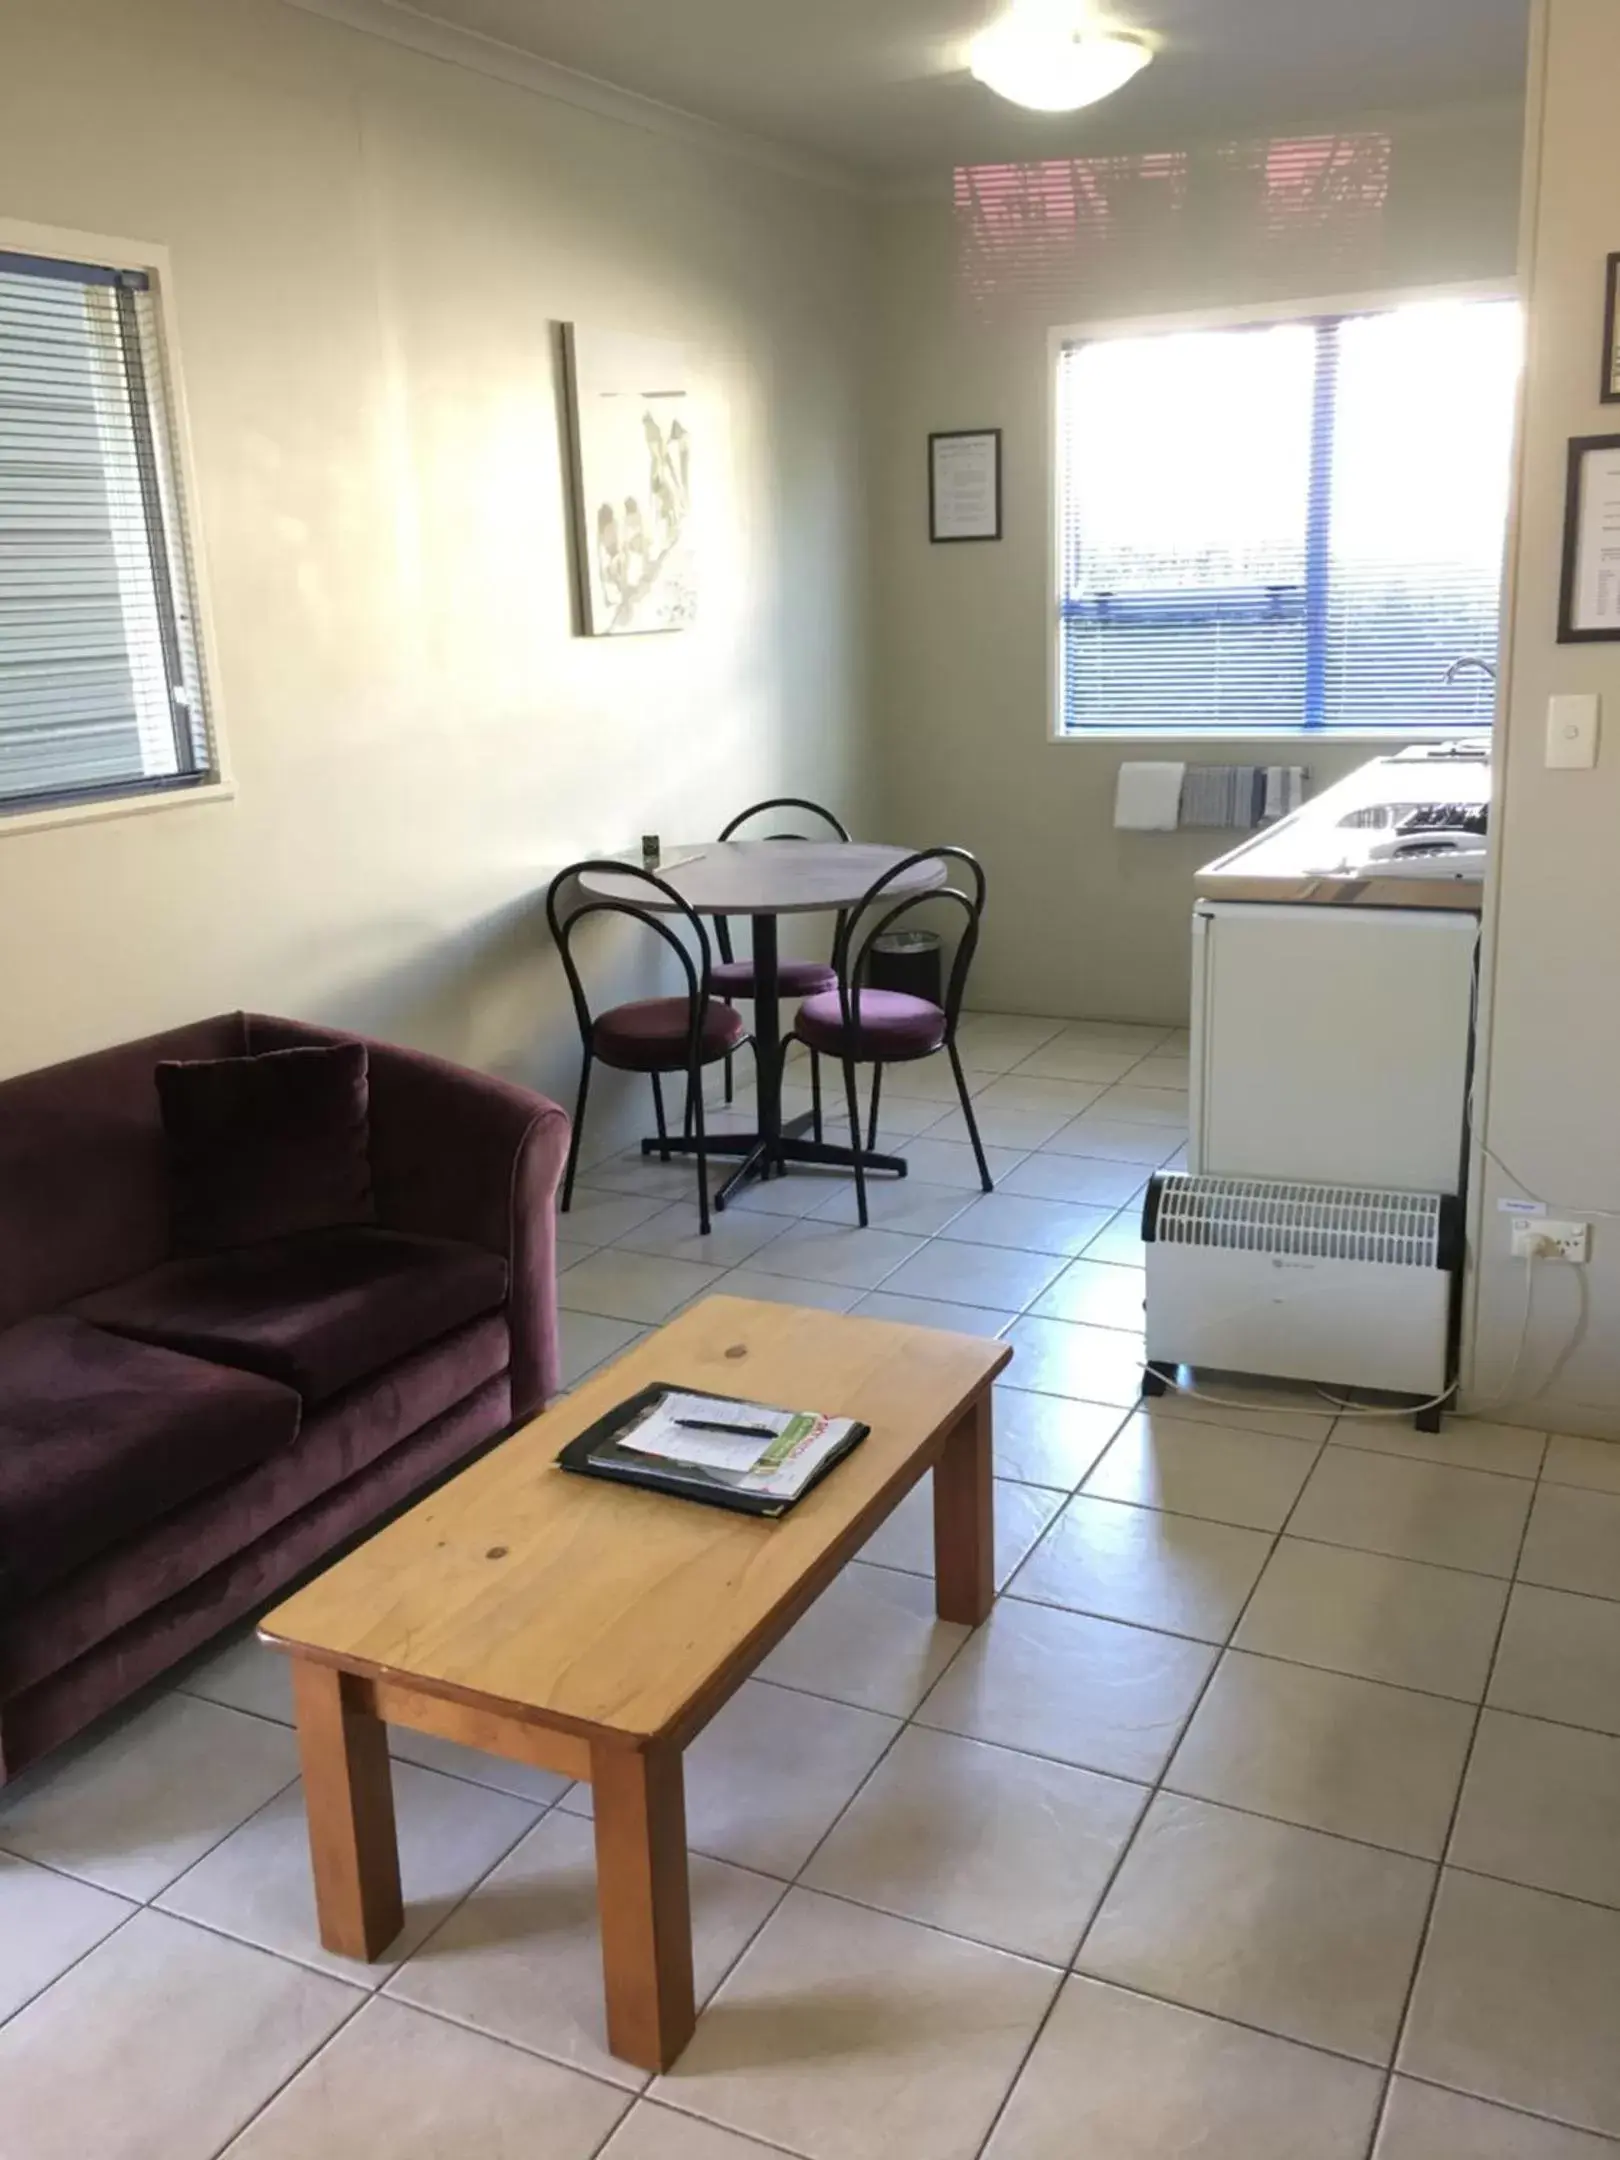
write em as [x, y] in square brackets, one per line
[1552, 1090]
[370, 249]
[1083, 920]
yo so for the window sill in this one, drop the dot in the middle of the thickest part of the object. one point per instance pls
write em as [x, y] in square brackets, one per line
[122, 806]
[1394, 738]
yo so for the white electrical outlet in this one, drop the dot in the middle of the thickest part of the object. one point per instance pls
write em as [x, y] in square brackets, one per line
[1535, 1238]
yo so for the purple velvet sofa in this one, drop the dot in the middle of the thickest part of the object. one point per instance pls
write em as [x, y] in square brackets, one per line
[180, 1437]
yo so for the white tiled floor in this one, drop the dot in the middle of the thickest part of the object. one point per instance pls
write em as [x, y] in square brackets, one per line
[1272, 1815]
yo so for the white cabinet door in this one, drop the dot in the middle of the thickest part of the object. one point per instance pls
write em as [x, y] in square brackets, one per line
[1332, 1044]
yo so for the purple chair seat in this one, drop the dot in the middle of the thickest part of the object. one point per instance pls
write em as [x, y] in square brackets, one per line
[796, 978]
[654, 1034]
[892, 1027]
[316, 1312]
[99, 1437]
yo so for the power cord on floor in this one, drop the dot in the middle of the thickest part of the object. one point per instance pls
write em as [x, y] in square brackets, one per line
[1492, 1402]
[1435, 1402]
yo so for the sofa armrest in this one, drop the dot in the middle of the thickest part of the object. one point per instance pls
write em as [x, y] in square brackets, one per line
[459, 1154]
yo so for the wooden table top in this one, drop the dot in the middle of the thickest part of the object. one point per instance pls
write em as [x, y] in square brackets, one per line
[616, 1613]
[772, 877]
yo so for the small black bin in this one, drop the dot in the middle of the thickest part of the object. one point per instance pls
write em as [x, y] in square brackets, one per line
[911, 961]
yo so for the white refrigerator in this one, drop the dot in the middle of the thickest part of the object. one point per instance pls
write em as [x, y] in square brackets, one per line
[1332, 1044]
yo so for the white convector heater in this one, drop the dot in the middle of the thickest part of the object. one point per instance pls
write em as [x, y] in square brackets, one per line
[1329, 1283]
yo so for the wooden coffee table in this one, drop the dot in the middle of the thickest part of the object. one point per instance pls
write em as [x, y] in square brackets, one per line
[594, 1629]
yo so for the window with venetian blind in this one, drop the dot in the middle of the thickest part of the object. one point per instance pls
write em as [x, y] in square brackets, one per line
[101, 685]
[1285, 525]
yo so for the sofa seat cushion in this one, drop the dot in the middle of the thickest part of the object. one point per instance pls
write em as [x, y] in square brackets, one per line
[100, 1436]
[316, 1312]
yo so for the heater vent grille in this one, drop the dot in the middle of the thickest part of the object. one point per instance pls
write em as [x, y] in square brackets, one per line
[1316, 1222]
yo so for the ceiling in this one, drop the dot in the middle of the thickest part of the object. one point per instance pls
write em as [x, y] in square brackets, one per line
[880, 86]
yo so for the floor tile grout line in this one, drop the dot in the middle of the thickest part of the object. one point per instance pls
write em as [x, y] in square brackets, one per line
[1513, 1882]
[1128, 1846]
[1223, 2017]
[633, 2095]
[73, 1964]
[887, 1912]
[293, 2075]
[795, 1224]
[903, 1725]
[542, 1810]
[1221, 1649]
[149, 1903]
[1150, 1787]
[1379, 1552]
[1601, 2138]
[1426, 1931]
[252, 1815]
[1224, 1650]
[1271, 1657]
[710, 2122]
[377, 1992]
[951, 1732]
[530, 2052]
[1433, 1462]
[290, 1724]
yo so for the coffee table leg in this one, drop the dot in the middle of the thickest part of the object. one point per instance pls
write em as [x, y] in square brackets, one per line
[640, 1805]
[964, 1520]
[349, 1796]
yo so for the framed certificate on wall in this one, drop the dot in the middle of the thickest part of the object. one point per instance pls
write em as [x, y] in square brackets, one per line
[964, 484]
[1611, 332]
[1589, 594]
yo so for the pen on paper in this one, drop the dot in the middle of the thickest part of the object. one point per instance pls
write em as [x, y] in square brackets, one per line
[741, 1432]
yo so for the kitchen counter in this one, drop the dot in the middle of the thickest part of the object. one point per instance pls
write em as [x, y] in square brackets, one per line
[1316, 857]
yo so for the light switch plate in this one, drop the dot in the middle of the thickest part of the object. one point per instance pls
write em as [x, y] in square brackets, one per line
[1572, 731]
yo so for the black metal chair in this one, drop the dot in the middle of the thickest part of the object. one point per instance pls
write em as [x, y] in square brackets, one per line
[734, 978]
[886, 1027]
[650, 1035]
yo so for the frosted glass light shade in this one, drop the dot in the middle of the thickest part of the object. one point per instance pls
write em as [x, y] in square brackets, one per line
[1049, 68]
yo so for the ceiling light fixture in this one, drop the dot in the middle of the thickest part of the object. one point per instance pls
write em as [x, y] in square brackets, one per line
[1052, 66]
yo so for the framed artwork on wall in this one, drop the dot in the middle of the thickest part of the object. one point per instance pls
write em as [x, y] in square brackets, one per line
[1611, 332]
[631, 425]
[964, 484]
[1589, 591]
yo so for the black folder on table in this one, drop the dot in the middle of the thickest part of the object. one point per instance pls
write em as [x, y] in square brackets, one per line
[597, 1452]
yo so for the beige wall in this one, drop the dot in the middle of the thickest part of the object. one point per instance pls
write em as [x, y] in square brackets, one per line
[1083, 920]
[369, 250]
[1552, 1070]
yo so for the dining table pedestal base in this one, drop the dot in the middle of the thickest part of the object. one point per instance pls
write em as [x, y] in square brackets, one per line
[765, 1156]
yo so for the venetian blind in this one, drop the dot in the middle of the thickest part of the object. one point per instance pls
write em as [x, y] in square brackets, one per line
[1286, 525]
[101, 689]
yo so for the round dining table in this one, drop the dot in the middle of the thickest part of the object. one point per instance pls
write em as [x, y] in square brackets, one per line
[764, 880]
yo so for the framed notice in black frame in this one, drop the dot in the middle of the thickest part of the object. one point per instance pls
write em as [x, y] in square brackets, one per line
[1611, 332]
[964, 484]
[1589, 591]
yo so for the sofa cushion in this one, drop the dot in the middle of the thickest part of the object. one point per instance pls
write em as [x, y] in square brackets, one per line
[100, 1436]
[336, 1443]
[62, 1705]
[84, 1185]
[316, 1312]
[263, 1147]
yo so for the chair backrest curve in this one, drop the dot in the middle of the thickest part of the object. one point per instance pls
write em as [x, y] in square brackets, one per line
[855, 940]
[564, 927]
